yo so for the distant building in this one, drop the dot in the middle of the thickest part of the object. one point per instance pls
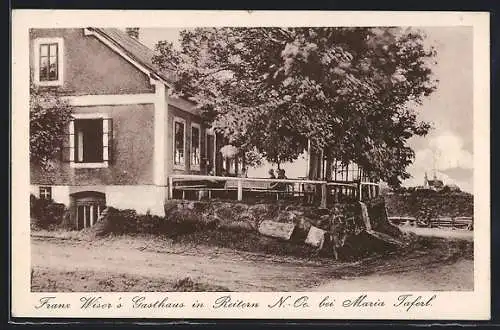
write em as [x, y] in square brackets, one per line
[433, 184]
[437, 185]
[453, 187]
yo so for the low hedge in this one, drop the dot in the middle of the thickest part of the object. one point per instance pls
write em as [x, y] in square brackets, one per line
[427, 204]
[46, 213]
[176, 222]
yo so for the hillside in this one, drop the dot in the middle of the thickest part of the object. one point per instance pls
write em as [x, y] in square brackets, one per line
[428, 203]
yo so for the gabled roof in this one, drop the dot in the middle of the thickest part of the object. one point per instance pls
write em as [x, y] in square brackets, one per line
[135, 50]
[435, 182]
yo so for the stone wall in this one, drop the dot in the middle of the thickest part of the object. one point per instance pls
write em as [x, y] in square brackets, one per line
[345, 229]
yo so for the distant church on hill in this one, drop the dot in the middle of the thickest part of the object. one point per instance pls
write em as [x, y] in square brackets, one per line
[433, 184]
[438, 185]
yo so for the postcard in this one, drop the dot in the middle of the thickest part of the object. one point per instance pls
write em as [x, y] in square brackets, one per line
[250, 164]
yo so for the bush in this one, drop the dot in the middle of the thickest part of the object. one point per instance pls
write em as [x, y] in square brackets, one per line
[427, 204]
[187, 285]
[178, 220]
[114, 221]
[46, 213]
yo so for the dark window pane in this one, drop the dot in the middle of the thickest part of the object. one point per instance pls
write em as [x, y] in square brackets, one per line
[87, 215]
[179, 143]
[44, 68]
[210, 154]
[195, 146]
[80, 217]
[53, 69]
[95, 214]
[91, 134]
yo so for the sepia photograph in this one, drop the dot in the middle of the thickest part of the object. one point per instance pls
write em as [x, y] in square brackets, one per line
[252, 159]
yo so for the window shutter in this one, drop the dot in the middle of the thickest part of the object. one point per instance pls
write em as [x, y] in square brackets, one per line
[68, 148]
[107, 139]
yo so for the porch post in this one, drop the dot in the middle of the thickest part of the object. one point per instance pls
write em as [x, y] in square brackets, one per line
[214, 165]
[170, 188]
[91, 215]
[308, 157]
[322, 165]
[84, 216]
[240, 190]
[324, 192]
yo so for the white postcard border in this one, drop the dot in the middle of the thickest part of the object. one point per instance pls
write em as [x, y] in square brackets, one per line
[447, 305]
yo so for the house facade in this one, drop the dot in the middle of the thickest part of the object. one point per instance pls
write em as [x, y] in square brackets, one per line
[127, 134]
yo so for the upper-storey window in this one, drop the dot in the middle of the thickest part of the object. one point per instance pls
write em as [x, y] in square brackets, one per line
[48, 61]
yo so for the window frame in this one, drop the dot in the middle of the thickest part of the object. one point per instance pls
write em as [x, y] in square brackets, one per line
[105, 140]
[195, 167]
[60, 62]
[183, 122]
[210, 131]
[46, 188]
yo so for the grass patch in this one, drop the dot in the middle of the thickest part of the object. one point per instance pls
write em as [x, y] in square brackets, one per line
[187, 285]
[44, 280]
[77, 235]
[249, 241]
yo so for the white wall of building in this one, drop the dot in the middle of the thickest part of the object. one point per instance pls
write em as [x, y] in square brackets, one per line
[60, 194]
[139, 198]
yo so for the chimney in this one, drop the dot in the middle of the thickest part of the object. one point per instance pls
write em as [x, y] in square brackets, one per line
[133, 32]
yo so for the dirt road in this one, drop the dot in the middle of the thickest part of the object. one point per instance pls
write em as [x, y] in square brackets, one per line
[146, 264]
[456, 277]
[438, 232]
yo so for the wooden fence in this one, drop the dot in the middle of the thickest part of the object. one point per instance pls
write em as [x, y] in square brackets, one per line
[444, 222]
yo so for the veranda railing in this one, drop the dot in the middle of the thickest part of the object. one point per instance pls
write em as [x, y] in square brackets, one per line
[358, 190]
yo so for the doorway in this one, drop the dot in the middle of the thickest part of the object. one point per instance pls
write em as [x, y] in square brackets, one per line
[88, 207]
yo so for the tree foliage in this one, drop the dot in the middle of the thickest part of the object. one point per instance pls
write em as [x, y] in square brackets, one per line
[49, 117]
[351, 91]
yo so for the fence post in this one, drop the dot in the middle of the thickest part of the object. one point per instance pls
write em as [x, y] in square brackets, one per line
[360, 192]
[170, 188]
[324, 193]
[240, 190]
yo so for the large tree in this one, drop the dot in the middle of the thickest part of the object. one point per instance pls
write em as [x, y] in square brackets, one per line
[49, 117]
[352, 92]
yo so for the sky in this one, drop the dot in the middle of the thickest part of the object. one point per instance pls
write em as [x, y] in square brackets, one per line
[449, 146]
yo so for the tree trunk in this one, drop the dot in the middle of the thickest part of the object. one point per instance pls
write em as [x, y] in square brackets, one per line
[329, 163]
[314, 163]
[315, 171]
